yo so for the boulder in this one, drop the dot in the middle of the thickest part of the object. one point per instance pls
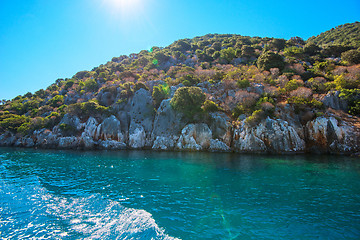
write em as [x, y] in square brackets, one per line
[7, 139]
[167, 121]
[45, 138]
[69, 142]
[141, 119]
[328, 135]
[111, 145]
[72, 121]
[165, 143]
[332, 100]
[194, 137]
[221, 127]
[109, 129]
[218, 146]
[137, 136]
[270, 135]
[26, 142]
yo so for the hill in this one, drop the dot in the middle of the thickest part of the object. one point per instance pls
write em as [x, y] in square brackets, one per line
[221, 92]
[345, 35]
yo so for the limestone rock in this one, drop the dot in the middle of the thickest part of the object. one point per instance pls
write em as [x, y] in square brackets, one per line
[7, 139]
[109, 129]
[165, 143]
[195, 137]
[333, 100]
[137, 136]
[69, 142]
[111, 145]
[327, 134]
[167, 121]
[221, 127]
[25, 142]
[141, 119]
[45, 138]
[218, 146]
[270, 135]
[72, 121]
[90, 127]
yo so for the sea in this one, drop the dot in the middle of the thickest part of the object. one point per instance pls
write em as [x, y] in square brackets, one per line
[54, 194]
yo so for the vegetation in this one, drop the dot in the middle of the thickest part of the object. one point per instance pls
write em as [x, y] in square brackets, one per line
[238, 75]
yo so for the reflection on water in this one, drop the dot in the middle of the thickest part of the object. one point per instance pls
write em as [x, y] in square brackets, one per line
[184, 195]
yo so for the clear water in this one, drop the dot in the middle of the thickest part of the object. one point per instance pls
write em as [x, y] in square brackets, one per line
[169, 195]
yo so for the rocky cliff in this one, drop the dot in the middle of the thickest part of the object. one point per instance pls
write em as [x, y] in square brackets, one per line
[137, 125]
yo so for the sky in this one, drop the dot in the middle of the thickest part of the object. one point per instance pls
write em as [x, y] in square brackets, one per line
[43, 40]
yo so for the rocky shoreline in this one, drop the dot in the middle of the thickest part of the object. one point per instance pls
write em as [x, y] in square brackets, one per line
[138, 126]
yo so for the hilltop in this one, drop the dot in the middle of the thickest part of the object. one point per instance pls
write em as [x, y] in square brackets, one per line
[219, 92]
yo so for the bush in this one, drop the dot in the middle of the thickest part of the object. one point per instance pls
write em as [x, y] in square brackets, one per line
[56, 101]
[12, 122]
[255, 118]
[87, 109]
[301, 103]
[160, 92]
[352, 96]
[292, 85]
[188, 100]
[210, 106]
[243, 83]
[351, 56]
[268, 60]
[139, 85]
[91, 85]
[342, 83]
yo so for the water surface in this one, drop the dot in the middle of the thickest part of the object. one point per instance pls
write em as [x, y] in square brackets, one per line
[166, 195]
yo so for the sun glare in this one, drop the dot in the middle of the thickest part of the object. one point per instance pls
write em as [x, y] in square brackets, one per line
[125, 8]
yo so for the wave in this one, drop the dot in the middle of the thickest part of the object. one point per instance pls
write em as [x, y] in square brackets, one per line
[32, 212]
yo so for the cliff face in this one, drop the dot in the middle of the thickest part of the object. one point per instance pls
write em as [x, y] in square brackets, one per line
[138, 126]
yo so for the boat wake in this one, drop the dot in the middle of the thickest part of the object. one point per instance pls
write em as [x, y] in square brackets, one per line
[35, 213]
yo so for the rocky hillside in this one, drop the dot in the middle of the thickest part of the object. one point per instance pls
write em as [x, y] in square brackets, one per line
[213, 93]
[346, 35]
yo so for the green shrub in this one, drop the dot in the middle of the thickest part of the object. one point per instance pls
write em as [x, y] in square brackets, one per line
[301, 103]
[160, 92]
[87, 109]
[210, 106]
[188, 100]
[255, 118]
[342, 83]
[12, 122]
[351, 56]
[238, 110]
[243, 83]
[352, 96]
[292, 85]
[56, 101]
[189, 80]
[91, 85]
[139, 85]
[269, 60]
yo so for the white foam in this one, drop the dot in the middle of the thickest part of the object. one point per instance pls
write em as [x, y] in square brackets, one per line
[93, 217]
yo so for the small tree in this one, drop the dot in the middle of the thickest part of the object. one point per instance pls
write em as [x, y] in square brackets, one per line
[188, 100]
[268, 60]
[351, 56]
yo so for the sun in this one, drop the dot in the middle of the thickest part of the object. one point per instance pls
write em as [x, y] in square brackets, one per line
[124, 7]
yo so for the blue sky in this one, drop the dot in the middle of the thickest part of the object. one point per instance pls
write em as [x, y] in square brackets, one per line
[43, 40]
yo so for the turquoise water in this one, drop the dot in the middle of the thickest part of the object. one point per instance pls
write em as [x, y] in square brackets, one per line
[168, 195]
